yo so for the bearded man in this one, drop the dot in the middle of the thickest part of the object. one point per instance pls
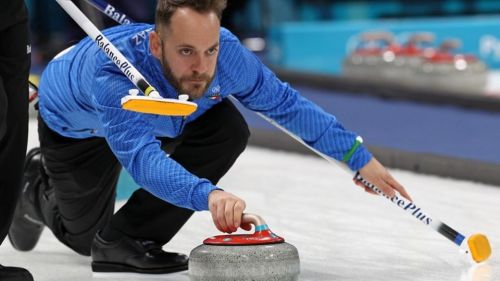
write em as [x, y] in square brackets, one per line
[86, 137]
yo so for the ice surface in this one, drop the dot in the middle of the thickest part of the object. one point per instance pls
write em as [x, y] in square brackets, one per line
[341, 232]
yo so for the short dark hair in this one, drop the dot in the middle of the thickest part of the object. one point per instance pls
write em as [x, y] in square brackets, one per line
[166, 8]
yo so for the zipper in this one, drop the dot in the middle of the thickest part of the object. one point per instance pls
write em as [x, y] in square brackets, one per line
[183, 123]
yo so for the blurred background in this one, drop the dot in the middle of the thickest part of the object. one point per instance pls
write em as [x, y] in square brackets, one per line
[419, 80]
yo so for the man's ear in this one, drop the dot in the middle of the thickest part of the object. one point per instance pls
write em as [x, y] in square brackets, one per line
[155, 44]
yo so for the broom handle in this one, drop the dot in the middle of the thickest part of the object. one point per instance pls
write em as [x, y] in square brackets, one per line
[108, 48]
[400, 201]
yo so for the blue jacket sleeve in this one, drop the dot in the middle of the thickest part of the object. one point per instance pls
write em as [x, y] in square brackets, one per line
[130, 136]
[260, 90]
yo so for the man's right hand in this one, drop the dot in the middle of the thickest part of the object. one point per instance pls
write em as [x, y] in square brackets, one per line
[226, 210]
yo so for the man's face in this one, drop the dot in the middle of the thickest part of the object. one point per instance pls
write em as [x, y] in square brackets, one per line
[188, 50]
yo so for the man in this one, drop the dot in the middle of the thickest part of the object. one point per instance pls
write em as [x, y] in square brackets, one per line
[14, 70]
[85, 135]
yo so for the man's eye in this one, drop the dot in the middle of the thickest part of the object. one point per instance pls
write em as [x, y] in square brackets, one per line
[212, 51]
[186, 52]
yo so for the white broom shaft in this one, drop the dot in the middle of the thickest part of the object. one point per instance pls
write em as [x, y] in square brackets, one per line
[412, 209]
[109, 49]
[400, 201]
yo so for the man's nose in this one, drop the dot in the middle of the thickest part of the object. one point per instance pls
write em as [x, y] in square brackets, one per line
[200, 64]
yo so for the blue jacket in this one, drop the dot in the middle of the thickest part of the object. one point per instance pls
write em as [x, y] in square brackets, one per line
[80, 93]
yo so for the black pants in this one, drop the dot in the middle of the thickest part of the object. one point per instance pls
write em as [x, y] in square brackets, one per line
[14, 71]
[81, 177]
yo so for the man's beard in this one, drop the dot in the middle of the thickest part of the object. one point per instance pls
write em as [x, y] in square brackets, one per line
[194, 91]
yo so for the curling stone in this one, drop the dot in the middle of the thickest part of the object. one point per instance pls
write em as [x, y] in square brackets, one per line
[261, 256]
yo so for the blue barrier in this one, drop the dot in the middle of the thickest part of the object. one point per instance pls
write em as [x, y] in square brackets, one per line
[321, 46]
